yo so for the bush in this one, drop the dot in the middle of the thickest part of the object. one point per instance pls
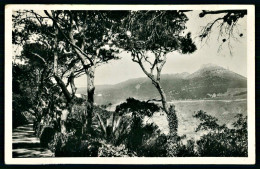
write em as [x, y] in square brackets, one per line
[176, 147]
[135, 106]
[155, 147]
[126, 127]
[220, 140]
[186, 150]
[46, 135]
[109, 150]
[18, 118]
[73, 125]
[22, 93]
[69, 145]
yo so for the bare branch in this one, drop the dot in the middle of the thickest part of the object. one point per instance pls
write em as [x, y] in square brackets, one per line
[159, 68]
[153, 100]
[153, 66]
[41, 58]
[204, 12]
[139, 61]
[63, 88]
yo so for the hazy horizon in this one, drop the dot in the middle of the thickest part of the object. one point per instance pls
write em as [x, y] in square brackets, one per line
[144, 76]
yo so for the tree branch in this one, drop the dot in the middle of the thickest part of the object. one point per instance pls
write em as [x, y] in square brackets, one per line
[41, 58]
[72, 83]
[80, 53]
[143, 68]
[153, 100]
[204, 12]
[63, 88]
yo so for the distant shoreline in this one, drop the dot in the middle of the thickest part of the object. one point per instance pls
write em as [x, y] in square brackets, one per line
[190, 101]
[202, 100]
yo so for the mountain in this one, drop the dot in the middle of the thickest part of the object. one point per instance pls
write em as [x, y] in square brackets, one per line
[207, 82]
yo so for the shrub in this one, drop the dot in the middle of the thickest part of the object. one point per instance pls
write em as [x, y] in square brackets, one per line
[186, 150]
[155, 147]
[109, 150]
[18, 118]
[69, 145]
[177, 148]
[126, 127]
[46, 135]
[220, 140]
[114, 129]
[135, 106]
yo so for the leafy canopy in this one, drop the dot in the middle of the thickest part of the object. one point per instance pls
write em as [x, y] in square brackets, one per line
[157, 31]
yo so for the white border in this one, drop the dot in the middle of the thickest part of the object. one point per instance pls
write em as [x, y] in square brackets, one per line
[132, 160]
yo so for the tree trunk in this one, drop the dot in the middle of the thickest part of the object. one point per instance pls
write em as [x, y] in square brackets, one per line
[163, 96]
[63, 120]
[169, 110]
[69, 98]
[90, 93]
[172, 122]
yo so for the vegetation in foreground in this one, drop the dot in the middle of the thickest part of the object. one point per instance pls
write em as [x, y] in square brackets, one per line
[125, 133]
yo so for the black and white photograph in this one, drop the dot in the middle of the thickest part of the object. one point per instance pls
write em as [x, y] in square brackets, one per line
[87, 83]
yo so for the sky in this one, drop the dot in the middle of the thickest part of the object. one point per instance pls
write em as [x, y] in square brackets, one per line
[117, 71]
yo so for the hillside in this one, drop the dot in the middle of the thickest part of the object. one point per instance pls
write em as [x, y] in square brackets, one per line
[210, 81]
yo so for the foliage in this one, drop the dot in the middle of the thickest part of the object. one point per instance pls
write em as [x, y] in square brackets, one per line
[143, 138]
[46, 135]
[69, 145]
[74, 43]
[137, 107]
[71, 42]
[114, 129]
[187, 150]
[226, 21]
[109, 150]
[220, 140]
[104, 106]
[207, 122]
[150, 36]
[155, 145]
[125, 127]
[103, 113]
[156, 30]
[89, 36]
[22, 93]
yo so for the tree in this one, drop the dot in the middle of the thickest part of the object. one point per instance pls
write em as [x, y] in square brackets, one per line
[138, 110]
[84, 38]
[219, 140]
[90, 35]
[23, 93]
[41, 48]
[150, 36]
[226, 21]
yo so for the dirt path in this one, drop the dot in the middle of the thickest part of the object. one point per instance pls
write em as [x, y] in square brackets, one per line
[26, 144]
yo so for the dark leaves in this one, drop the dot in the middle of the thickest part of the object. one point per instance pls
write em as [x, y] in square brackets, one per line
[187, 45]
[221, 141]
[157, 30]
[140, 107]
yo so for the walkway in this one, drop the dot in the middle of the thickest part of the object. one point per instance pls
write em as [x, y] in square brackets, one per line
[26, 144]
